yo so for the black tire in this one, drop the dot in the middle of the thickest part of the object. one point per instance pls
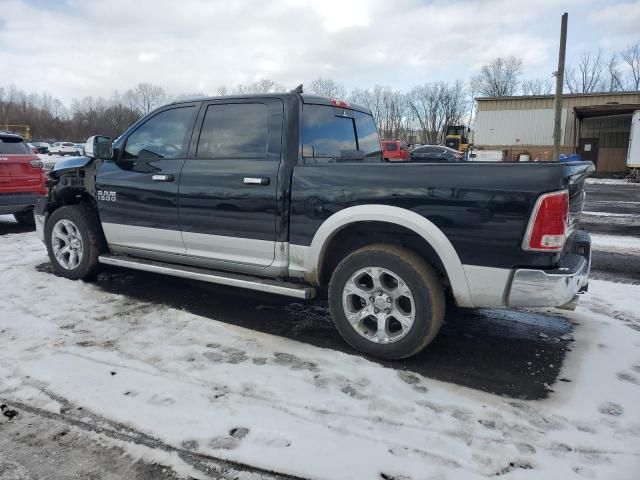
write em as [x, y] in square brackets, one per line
[93, 242]
[421, 279]
[25, 218]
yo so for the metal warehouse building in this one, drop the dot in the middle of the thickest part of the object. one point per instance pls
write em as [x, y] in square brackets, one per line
[596, 126]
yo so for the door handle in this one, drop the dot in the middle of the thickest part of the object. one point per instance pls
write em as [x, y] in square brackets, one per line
[162, 178]
[256, 180]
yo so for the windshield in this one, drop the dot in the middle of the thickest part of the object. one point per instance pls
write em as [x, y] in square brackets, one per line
[339, 134]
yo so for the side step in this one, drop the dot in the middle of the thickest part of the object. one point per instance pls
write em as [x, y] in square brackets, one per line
[222, 278]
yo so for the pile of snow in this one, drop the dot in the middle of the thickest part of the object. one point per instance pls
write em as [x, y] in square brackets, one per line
[609, 181]
[616, 243]
[285, 406]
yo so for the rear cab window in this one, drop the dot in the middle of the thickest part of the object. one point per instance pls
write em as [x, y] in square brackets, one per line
[335, 134]
[13, 146]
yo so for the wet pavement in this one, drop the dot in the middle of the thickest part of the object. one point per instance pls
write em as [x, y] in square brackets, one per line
[612, 209]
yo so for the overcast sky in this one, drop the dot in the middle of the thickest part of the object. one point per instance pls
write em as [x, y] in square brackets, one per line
[73, 48]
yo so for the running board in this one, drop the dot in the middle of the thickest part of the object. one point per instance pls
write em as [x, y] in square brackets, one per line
[221, 278]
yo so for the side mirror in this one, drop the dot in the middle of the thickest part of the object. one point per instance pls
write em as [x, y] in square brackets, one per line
[100, 147]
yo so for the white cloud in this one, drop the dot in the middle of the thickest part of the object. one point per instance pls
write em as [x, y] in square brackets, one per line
[92, 47]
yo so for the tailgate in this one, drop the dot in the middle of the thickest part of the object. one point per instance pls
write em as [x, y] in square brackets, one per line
[575, 176]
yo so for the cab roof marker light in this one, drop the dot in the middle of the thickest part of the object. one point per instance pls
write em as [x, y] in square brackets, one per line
[340, 103]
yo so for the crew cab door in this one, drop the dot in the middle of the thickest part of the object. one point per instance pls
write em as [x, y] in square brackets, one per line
[137, 192]
[228, 187]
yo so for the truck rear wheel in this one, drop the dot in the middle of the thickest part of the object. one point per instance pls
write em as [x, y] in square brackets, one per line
[74, 241]
[386, 301]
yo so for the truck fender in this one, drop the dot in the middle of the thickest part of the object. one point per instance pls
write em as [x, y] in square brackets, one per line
[308, 260]
[69, 164]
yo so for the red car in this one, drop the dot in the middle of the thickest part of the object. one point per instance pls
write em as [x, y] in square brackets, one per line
[21, 178]
[395, 151]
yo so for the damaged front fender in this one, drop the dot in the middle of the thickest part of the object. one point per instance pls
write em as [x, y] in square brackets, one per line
[69, 164]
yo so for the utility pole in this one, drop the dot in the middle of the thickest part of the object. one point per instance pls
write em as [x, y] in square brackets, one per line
[557, 127]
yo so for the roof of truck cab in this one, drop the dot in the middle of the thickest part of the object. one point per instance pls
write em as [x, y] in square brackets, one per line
[305, 97]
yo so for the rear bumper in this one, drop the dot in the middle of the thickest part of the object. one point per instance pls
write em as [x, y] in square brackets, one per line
[558, 287]
[544, 288]
[13, 203]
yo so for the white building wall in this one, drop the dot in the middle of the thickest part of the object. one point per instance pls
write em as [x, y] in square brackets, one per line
[515, 127]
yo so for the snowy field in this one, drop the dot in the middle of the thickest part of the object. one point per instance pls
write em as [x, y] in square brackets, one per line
[289, 407]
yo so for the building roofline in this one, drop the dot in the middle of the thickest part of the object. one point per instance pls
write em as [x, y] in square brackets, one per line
[570, 95]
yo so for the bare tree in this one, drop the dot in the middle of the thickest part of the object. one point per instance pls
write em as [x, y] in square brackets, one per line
[188, 95]
[327, 87]
[589, 76]
[261, 86]
[631, 56]
[614, 81]
[222, 91]
[146, 97]
[499, 78]
[389, 108]
[436, 105]
[538, 86]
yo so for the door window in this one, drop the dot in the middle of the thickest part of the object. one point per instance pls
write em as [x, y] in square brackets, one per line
[239, 130]
[162, 136]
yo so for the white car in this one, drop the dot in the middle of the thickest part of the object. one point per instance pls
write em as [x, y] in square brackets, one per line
[64, 148]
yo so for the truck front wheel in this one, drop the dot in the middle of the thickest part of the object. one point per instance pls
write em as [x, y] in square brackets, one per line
[386, 301]
[74, 241]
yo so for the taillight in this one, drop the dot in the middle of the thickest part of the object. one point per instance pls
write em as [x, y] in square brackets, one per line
[547, 229]
[35, 163]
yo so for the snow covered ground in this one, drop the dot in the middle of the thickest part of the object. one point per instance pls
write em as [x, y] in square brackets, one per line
[609, 181]
[616, 243]
[289, 407]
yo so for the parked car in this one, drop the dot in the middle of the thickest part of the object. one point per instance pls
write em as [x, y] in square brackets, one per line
[43, 147]
[64, 148]
[33, 148]
[395, 151]
[288, 194]
[21, 179]
[80, 148]
[435, 153]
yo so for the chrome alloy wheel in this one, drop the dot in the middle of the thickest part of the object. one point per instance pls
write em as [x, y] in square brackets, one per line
[66, 244]
[379, 305]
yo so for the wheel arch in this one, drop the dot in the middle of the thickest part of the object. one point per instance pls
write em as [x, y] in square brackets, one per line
[314, 257]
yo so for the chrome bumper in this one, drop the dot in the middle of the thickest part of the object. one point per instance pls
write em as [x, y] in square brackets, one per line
[40, 219]
[556, 288]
